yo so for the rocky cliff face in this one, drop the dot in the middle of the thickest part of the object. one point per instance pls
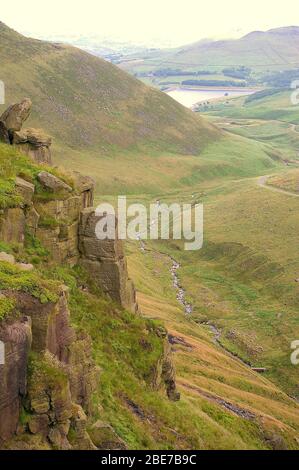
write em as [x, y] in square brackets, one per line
[59, 388]
[32, 142]
[105, 261]
[13, 379]
[65, 221]
[165, 371]
[48, 376]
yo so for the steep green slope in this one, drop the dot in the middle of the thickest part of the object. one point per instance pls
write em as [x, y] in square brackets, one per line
[105, 123]
[224, 404]
[87, 103]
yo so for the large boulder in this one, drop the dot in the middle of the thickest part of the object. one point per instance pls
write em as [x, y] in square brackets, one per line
[35, 143]
[85, 186]
[53, 183]
[105, 260]
[14, 117]
[7, 258]
[33, 136]
[105, 438]
[25, 190]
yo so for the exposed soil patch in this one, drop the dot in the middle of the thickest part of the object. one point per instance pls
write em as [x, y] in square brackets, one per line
[179, 341]
[233, 408]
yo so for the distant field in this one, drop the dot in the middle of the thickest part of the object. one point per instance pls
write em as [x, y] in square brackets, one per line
[137, 173]
[242, 283]
[243, 280]
[275, 107]
[288, 181]
[272, 119]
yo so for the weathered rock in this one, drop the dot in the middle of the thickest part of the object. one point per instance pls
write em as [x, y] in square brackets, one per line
[165, 370]
[38, 424]
[52, 333]
[32, 219]
[85, 186]
[105, 438]
[50, 323]
[61, 210]
[61, 242]
[25, 189]
[168, 374]
[12, 225]
[81, 371]
[105, 260]
[49, 400]
[82, 440]
[36, 137]
[35, 143]
[4, 135]
[60, 238]
[7, 258]
[52, 183]
[14, 117]
[55, 438]
[16, 336]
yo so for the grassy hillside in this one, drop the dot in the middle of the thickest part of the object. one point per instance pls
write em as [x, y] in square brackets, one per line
[287, 181]
[256, 59]
[277, 106]
[88, 104]
[105, 123]
[267, 117]
[134, 139]
[242, 281]
[276, 49]
[210, 379]
[224, 404]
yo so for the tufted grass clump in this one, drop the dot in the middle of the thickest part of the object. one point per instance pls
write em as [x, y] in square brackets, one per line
[7, 306]
[13, 164]
[44, 373]
[13, 278]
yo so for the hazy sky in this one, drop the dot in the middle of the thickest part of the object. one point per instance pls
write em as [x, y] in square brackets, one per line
[143, 20]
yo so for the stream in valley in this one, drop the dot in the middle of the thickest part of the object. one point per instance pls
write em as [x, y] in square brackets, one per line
[188, 307]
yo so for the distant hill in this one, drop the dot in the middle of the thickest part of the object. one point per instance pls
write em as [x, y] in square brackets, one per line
[131, 138]
[270, 50]
[88, 104]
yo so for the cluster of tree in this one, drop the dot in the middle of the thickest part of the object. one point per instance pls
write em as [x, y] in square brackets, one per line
[237, 72]
[281, 79]
[225, 83]
[168, 72]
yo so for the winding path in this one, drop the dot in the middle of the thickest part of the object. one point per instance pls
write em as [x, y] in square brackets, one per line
[262, 181]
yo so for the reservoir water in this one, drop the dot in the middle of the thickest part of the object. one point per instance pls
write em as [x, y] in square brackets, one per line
[189, 97]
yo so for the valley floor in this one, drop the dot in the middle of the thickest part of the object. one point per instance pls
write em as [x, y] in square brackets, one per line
[244, 313]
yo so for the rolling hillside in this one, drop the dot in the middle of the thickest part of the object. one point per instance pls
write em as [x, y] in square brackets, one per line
[273, 48]
[111, 126]
[87, 103]
[276, 49]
